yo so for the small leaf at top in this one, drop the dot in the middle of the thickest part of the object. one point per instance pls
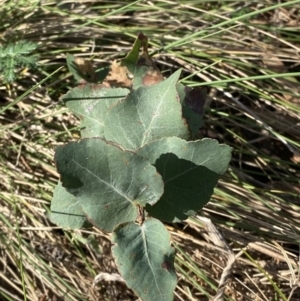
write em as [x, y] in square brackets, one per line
[130, 61]
[90, 104]
[81, 69]
[141, 67]
[145, 259]
[147, 114]
[121, 74]
[107, 182]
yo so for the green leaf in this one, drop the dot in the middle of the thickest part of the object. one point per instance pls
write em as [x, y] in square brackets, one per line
[90, 104]
[145, 259]
[206, 152]
[188, 187]
[190, 171]
[147, 114]
[15, 55]
[66, 212]
[101, 74]
[107, 182]
[141, 67]
[192, 100]
[130, 61]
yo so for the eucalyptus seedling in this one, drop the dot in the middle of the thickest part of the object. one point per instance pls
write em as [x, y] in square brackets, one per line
[137, 165]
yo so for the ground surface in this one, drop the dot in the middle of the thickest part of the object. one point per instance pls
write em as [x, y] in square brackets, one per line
[248, 56]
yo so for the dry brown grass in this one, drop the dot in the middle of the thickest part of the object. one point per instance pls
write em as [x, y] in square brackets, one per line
[256, 206]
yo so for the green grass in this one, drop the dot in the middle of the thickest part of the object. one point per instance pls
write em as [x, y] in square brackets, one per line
[247, 53]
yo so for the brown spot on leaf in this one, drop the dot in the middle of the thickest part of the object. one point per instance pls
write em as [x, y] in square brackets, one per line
[81, 86]
[118, 76]
[166, 266]
[97, 86]
[152, 77]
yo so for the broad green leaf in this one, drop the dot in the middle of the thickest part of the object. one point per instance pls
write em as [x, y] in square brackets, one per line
[147, 114]
[145, 259]
[90, 104]
[66, 212]
[188, 187]
[107, 182]
[190, 171]
[206, 152]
